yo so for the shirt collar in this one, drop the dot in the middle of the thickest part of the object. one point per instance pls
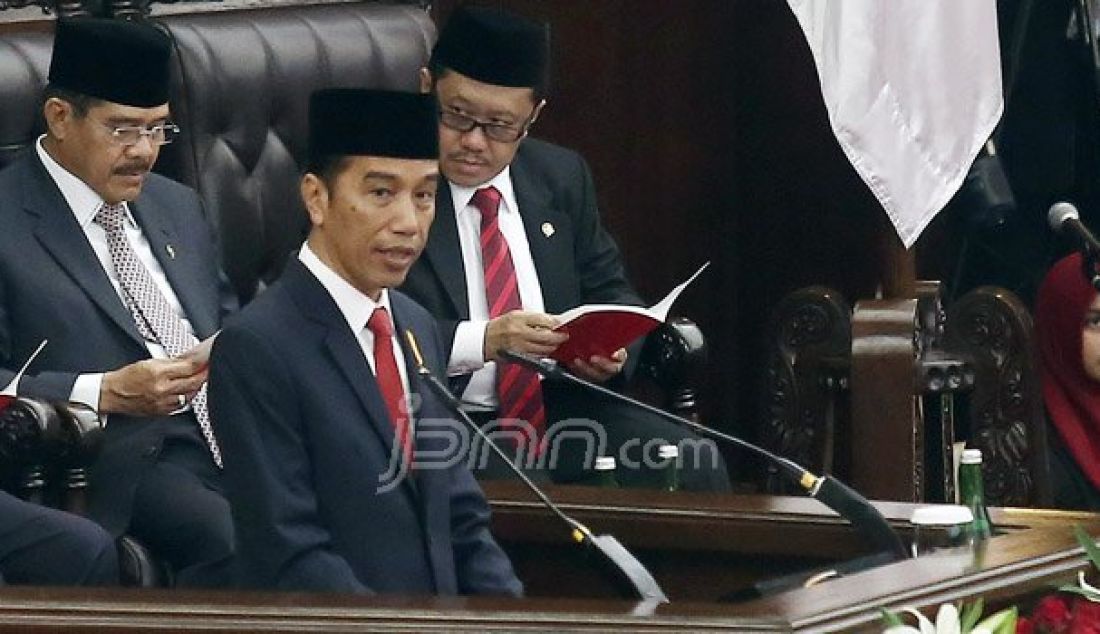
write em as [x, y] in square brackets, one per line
[461, 196]
[353, 304]
[83, 201]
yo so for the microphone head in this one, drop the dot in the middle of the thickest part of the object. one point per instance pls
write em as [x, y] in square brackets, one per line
[1059, 213]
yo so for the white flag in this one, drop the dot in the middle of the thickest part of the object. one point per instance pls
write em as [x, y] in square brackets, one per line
[913, 89]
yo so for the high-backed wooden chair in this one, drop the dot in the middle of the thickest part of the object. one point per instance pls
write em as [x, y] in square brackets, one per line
[881, 394]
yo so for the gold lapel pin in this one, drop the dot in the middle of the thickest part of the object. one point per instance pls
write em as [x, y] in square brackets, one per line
[547, 229]
[171, 251]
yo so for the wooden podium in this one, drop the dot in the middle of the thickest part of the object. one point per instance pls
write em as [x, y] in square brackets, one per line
[700, 547]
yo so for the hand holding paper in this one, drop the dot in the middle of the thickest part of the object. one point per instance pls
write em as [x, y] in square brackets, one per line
[201, 352]
[601, 329]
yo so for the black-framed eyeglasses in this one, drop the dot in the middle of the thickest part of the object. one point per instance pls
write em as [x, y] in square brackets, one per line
[502, 132]
[128, 135]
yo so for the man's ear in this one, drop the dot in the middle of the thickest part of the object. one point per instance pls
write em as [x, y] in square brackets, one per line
[58, 115]
[315, 196]
[425, 80]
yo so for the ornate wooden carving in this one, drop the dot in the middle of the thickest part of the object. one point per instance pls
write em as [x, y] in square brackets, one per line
[806, 369]
[993, 329]
[135, 9]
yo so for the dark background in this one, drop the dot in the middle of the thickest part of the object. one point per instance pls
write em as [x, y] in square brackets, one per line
[706, 132]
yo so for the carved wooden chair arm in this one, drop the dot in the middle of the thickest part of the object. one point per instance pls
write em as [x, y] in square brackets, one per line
[674, 357]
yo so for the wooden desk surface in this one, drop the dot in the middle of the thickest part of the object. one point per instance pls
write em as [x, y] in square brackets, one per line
[1036, 552]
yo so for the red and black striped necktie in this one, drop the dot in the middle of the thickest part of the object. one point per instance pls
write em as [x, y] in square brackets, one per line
[518, 389]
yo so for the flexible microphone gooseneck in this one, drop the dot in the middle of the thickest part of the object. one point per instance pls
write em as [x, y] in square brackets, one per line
[828, 490]
[626, 572]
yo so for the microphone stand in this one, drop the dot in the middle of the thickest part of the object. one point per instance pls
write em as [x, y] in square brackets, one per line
[1089, 264]
[626, 572]
[828, 490]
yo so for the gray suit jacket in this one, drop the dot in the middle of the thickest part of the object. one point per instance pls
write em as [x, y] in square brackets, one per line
[52, 287]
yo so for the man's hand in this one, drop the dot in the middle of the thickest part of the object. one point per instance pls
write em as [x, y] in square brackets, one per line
[151, 387]
[519, 331]
[599, 369]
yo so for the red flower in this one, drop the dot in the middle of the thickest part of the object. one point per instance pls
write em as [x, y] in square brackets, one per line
[1086, 617]
[1051, 615]
[1024, 625]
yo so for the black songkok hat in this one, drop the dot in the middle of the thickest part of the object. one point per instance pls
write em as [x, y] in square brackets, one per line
[361, 122]
[114, 60]
[495, 47]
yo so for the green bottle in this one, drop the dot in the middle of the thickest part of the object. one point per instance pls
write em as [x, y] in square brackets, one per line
[605, 473]
[972, 493]
[670, 466]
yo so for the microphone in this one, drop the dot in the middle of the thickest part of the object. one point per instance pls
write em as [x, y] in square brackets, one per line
[1064, 218]
[831, 492]
[626, 572]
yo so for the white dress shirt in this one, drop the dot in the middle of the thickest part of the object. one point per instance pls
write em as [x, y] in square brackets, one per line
[467, 352]
[84, 203]
[357, 309]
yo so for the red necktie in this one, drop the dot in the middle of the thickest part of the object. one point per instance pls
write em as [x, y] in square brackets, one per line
[518, 388]
[389, 379]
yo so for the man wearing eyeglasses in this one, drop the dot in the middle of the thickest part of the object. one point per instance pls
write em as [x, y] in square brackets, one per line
[116, 268]
[517, 239]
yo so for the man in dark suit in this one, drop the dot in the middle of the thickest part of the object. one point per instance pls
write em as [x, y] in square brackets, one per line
[116, 268]
[315, 399]
[41, 546]
[517, 240]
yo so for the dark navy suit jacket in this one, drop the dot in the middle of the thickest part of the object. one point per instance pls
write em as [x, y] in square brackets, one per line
[306, 437]
[52, 287]
[577, 263]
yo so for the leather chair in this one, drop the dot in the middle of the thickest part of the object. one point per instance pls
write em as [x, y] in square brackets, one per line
[241, 86]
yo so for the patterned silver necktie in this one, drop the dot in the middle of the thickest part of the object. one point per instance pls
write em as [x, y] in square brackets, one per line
[154, 317]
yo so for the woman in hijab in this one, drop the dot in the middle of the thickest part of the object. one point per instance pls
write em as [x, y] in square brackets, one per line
[1067, 320]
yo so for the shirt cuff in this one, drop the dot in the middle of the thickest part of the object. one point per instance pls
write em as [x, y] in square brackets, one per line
[468, 350]
[86, 390]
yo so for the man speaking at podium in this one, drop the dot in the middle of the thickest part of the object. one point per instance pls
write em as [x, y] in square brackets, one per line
[519, 238]
[316, 399]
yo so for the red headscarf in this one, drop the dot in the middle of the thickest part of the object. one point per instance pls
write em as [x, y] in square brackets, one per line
[1072, 397]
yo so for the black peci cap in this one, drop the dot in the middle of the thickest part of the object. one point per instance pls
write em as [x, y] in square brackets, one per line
[114, 60]
[362, 122]
[495, 47]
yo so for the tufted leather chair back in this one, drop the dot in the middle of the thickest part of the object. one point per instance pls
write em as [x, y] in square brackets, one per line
[24, 61]
[240, 93]
[241, 97]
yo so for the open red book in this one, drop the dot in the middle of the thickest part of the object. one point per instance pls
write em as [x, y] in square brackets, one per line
[601, 329]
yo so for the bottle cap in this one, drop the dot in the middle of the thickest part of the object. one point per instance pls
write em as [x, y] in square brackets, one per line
[941, 515]
[668, 451]
[605, 463]
[972, 456]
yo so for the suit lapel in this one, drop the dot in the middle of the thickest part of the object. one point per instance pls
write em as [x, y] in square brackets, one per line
[59, 233]
[155, 222]
[444, 251]
[344, 349]
[551, 253]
